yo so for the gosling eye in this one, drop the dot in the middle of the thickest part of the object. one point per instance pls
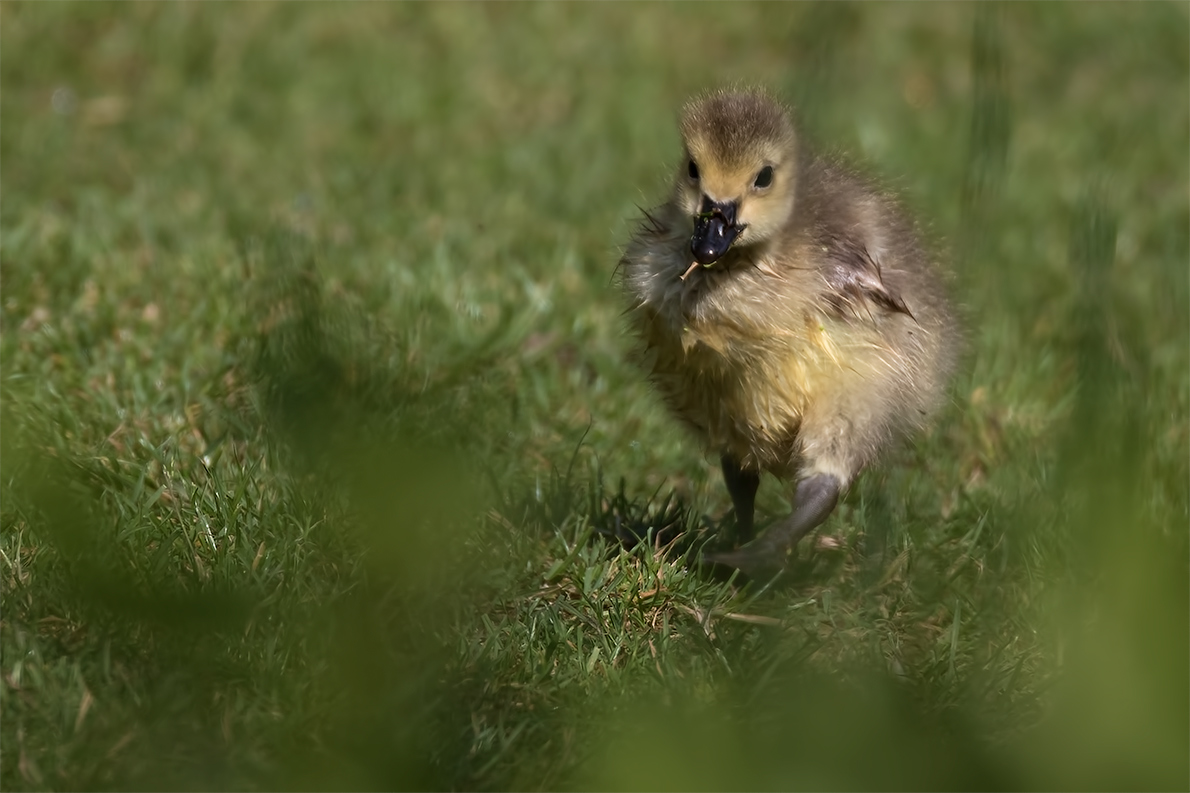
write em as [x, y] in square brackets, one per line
[764, 178]
[692, 169]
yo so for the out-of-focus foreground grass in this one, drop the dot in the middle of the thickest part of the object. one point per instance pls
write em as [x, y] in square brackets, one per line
[319, 443]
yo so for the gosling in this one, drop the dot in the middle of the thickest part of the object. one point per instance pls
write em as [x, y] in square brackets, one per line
[787, 312]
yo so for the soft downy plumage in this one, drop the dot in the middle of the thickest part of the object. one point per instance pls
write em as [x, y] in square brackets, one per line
[787, 313]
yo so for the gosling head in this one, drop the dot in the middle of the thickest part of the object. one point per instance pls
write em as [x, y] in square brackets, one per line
[737, 178]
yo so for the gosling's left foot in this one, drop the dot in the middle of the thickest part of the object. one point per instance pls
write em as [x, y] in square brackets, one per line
[755, 560]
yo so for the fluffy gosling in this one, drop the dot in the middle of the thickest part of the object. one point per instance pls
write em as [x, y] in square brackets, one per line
[787, 314]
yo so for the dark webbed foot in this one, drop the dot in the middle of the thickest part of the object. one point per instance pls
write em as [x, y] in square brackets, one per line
[766, 556]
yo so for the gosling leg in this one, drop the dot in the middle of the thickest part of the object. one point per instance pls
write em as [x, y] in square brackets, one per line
[815, 499]
[742, 485]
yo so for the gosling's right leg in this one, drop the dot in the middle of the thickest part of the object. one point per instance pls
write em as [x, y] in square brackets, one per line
[742, 485]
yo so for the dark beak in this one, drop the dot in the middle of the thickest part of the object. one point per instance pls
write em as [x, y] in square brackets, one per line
[715, 230]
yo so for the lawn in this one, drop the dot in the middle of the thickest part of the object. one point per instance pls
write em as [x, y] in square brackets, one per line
[324, 465]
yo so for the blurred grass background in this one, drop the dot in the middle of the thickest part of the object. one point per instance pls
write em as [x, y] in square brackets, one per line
[319, 442]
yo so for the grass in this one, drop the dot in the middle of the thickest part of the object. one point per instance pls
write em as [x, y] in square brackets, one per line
[323, 466]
